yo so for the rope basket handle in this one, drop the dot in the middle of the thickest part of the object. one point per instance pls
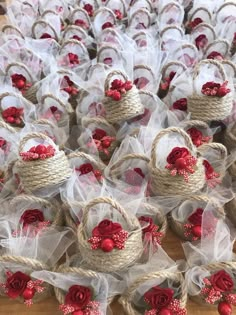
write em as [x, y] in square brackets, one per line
[219, 41]
[122, 3]
[215, 146]
[95, 120]
[106, 47]
[173, 63]
[115, 34]
[44, 24]
[195, 123]
[18, 96]
[6, 126]
[33, 263]
[20, 65]
[112, 74]
[206, 25]
[176, 277]
[75, 28]
[9, 26]
[167, 131]
[172, 27]
[33, 135]
[231, 64]
[110, 202]
[147, 93]
[86, 156]
[74, 42]
[220, 265]
[30, 199]
[191, 46]
[170, 4]
[85, 13]
[145, 12]
[44, 121]
[147, 1]
[44, 97]
[200, 9]
[105, 9]
[217, 64]
[51, 12]
[226, 4]
[145, 67]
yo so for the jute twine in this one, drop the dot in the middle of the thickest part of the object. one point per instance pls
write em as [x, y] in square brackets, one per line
[171, 64]
[208, 108]
[212, 268]
[6, 126]
[230, 209]
[35, 265]
[144, 12]
[30, 94]
[200, 9]
[229, 63]
[224, 5]
[105, 9]
[96, 163]
[230, 138]
[170, 28]
[54, 205]
[45, 25]
[178, 227]
[42, 173]
[74, 28]
[84, 13]
[116, 259]
[127, 297]
[206, 26]
[128, 107]
[223, 42]
[46, 12]
[161, 180]
[14, 28]
[167, 7]
[107, 47]
[146, 68]
[115, 170]
[197, 124]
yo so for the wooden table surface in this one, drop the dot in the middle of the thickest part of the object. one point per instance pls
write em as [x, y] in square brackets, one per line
[172, 246]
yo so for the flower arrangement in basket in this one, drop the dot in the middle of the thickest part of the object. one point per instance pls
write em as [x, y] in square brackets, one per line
[80, 17]
[214, 100]
[122, 101]
[178, 171]
[199, 132]
[198, 15]
[41, 165]
[110, 245]
[195, 216]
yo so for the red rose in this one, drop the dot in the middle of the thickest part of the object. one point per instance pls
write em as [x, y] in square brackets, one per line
[158, 297]
[180, 104]
[16, 284]
[141, 82]
[98, 134]
[134, 177]
[107, 25]
[150, 225]
[176, 154]
[118, 14]
[196, 136]
[201, 41]
[32, 216]
[208, 168]
[215, 55]
[222, 281]
[89, 8]
[106, 228]
[78, 296]
[85, 168]
[196, 217]
[18, 81]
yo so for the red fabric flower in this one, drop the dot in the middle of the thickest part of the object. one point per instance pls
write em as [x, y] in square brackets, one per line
[201, 41]
[166, 81]
[197, 136]
[150, 226]
[215, 89]
[176, 154]
[76, 37]
[118, 14]
[40, 152]
[180, 104]
[31, 216]
[73, 59]
[141, 82]
[89, 8]
[107, 25]
[134, 177]
[196, 217]
[106, 228]
[81, 23]
[158, 297]
[78, 296]
[222, 281]
[195, 22]
[19, 81]
[13, 115]
[45, 35]
[70, 89]
[98, 134]
[209, 171]
[118, 88]
[215, 55]
[16, 284]
[85, 168]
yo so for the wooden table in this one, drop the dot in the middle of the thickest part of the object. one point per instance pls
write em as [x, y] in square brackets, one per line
[50, 307]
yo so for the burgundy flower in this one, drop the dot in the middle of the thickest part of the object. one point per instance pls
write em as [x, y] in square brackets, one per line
[209, 171]
[141, 82]
[166, 81]
[39, 152]
[118, 14]
[78, 296]
[215, 89]
[201, 41]
[158, 297]
[19, 81]
[85, 168]
[98, 134]
[31, 216]
[149, 228]
[196, 217]
[118, 88]
[106, 228]
[13, 115]
[177, 153]
[197, 136]
[222, 281]
[73, 59]
[81, 23]
[195, 22]
[76, 37]
[180, 104]
[16, 284]
[215, 55]
[107, 25]
[89, 8]
[134, 177]
[45, 35]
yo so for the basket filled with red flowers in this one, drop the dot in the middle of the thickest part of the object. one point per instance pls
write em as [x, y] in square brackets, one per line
[215, 99]
[122, 101]
[41, 164]
[177, 170]
[199, 132]
[112, 240]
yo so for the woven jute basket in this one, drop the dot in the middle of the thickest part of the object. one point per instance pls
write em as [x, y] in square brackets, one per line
[53, 204]
[127, 297]
[116, 259]
[30, 94]
[178, 227]
[208, 108]
[34, 265]
[161, 180]
[198, 124]
[230, 209]
[212, 268]
[42, 173]
[128, 107]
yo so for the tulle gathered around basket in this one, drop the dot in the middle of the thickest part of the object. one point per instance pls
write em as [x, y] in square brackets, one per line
[229, 138]
[230, 209]
[128, 107]
[127, 297]
[38, 174]
[116, 259]
[162, 182]
[209, 108]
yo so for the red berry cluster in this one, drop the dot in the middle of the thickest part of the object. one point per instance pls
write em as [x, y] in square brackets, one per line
[73, 59]
[118, 88]
[89, 9]
[39, 152]
[19, 81]
[13, 115]
[215, 89]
